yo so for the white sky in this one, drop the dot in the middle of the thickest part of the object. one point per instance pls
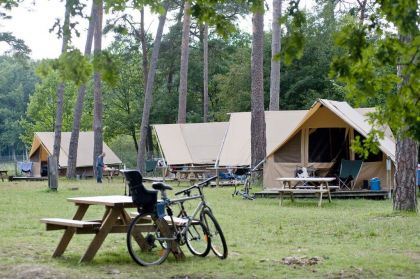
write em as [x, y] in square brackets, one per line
[32, 23]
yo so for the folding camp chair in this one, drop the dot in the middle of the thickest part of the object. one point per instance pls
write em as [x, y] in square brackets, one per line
[150, 166]
[349, 171]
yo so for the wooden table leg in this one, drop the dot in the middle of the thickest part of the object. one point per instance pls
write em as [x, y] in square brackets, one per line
[329, 193]
[69, 232]
[320, 199]
[100, 236]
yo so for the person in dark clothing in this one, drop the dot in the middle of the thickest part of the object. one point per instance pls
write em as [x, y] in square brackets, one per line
[99, 167]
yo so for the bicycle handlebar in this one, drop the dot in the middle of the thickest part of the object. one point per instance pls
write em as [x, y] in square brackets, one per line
[200, 184]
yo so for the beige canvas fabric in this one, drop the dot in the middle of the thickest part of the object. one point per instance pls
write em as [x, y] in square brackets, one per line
[236, 149]
[327, 114]
[192, 143]
[45, 141]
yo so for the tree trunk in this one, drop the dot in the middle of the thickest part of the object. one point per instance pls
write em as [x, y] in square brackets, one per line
[60, 89]
[406, 175]
[275, 64]
[258, 139]
[144, 48]
[77, 116]
[205, 72]
[183, 72]
[406, 149]
[97, 92]
[148, 95]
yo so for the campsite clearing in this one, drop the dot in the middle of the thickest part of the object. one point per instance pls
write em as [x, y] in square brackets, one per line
[346, 238]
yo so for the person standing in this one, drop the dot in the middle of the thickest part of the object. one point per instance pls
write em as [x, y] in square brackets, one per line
[99, 167]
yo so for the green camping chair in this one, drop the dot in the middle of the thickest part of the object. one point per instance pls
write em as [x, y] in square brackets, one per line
[349, 171]
[150, 167]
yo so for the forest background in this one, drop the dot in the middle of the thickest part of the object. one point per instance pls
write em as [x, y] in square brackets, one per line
[28, 100]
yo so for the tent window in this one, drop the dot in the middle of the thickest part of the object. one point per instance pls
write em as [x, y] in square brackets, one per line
[290, 151]
[327, 144]
[371, 157]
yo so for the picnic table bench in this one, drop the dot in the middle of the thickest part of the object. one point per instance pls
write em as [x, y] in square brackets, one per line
[290, 190]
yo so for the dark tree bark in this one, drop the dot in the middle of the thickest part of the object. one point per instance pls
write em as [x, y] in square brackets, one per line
[405, 197]
[97, 93]
[77, 116]
[406, 149]
[183, 72]
[275, 64]
[205, 72]
[60, 89]
[148, 96]
[258, 139]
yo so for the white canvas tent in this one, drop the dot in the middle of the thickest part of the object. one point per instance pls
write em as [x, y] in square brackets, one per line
[236, 149]
[321, 138]
[43, 146]
[190, 144]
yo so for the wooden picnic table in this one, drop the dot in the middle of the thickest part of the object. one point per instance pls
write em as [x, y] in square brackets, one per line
[322, 187]
[191, 175]
[3, 173]
[115, 219]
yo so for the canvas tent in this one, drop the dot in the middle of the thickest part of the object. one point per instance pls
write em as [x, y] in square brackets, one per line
[42, 147]
[190, 144]
[322, 138]
[236, 149]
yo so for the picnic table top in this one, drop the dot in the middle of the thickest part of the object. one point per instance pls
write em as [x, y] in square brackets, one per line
[310, 179]
[125, 201]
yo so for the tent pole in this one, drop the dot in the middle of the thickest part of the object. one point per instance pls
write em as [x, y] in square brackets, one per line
[216, 164]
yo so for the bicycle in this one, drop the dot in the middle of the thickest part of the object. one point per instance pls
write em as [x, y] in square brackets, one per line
[154, 231]
[245, 192]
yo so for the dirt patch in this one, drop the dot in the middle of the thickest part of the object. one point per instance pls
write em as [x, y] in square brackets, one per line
[25, 271]
[301, 260]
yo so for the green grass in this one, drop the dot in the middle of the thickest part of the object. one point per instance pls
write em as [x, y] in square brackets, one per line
[354, 238]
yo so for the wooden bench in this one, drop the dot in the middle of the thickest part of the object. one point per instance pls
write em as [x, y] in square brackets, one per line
[292, 191]
[78, 225]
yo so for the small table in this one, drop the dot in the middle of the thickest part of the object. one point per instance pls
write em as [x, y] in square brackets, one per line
[3, 173]
[109, 173]
[320, 189]
[191, 175]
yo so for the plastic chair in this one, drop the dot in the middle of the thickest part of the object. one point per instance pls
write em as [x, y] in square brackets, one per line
[349, 171]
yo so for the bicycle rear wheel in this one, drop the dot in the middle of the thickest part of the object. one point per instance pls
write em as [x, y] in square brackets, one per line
[217, 239]
[146, 243]
[197, 239]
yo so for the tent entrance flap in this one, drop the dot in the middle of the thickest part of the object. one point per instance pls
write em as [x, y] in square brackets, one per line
[326, 144]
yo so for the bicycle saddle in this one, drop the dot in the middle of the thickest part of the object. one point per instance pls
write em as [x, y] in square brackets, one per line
[161, 186]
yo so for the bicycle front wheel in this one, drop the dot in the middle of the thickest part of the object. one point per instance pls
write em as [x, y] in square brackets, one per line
[146, 243]
[197, 239]
[217, 239]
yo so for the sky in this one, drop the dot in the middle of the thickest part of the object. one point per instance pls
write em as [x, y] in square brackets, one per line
[32, 23]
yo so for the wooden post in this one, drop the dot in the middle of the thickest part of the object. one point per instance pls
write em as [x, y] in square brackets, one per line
[52, 173]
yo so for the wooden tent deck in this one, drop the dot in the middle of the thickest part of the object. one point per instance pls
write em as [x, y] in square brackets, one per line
[28, 178]
[366, 194]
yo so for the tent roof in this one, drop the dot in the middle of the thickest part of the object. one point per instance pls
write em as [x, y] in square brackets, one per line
[192, 143]
[356, 118]
[84, 150]
[236, 150]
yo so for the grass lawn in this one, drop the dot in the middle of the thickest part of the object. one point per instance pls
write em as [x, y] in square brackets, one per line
[351, 238]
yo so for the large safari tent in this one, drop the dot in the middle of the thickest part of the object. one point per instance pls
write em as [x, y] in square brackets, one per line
[42, 147]
[236, 149]
[190, 144]
[322, 138]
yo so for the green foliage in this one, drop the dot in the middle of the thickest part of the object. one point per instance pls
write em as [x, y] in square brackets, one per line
[41, 111]
[366, 146]
[369, 52]
[72, 66]
[294, 40]
[17, 82]
[105, 63]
